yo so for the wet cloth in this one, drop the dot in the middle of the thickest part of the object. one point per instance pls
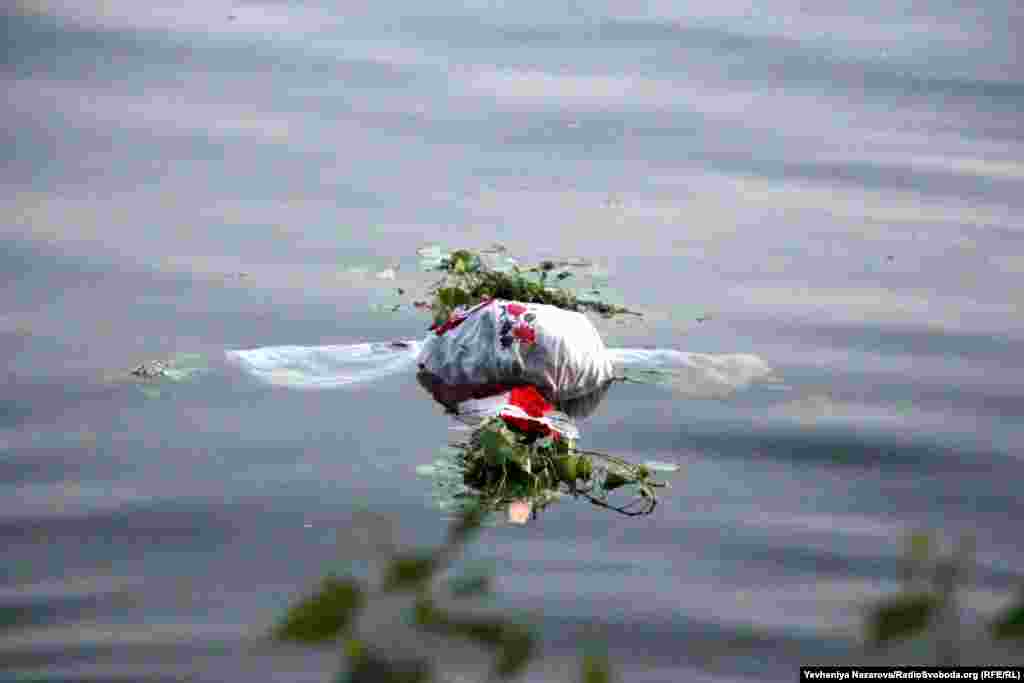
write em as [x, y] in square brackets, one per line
[560, 352]
[506, 343]
[327, 367]
[522, 407]
[696, 375]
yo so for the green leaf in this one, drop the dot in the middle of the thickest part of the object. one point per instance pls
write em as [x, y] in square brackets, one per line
[614, 481]
[150, 392]
[497, 448]
[15, 617]
[409, 571]
[919, 546]
[1010, 624]
[354, 648]
[427, 614]
[516, 650]
[595, 669]
[489, 633]
[324, 615]
[901, 617]
[451, 297]
[446, 297]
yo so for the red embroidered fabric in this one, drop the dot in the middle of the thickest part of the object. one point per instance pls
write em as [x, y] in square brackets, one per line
[457, 319]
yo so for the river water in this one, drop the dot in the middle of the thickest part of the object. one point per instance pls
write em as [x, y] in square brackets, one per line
[837, 188]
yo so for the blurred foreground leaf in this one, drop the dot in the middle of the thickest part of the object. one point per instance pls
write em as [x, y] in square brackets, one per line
[614, 481]
[512, 643]
[517, 647]
[325, 614]
[919, 546]
[1010, 624]
[595, 669]
[901, 617]
[410, 571]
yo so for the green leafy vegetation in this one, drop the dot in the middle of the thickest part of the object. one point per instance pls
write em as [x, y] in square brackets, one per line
[179, 367]
[498, 465]
[469, 278]
[901, 616]
[324, 615]
[931, 582]
[331, 611]
[1009, 625]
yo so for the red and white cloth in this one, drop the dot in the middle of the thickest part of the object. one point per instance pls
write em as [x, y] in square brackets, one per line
[490, 348]
[507, 342]
[522, 407]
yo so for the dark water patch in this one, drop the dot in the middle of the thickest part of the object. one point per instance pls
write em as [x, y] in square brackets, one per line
[43, 48]
[791, 559]
[74, 152]
[959, 399]
[818, 564]
[50, 465]
[106, 538]
[845, 448]
[983, 503]
[836, 447]
[42, 274]
[32, 401]
[39, 45]
[688, 641]
[160, 525]
[33, 274]
[22, 614]
[870, 176]
[893, 339]
[749, 58]
[200, 661]
[148, 314]
[54, 149]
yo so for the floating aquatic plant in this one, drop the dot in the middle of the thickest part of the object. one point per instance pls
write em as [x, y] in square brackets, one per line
[179, 367]
[470, 277]
[498, 465]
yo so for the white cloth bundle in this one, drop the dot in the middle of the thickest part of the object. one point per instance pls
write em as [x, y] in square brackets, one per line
[558, 351]
[695, 375]
[326, 367]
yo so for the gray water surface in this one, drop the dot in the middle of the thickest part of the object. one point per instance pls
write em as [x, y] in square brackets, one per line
[839, 188]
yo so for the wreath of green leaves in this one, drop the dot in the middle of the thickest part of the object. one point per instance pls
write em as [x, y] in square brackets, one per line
[501, 465]
[467, 281]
